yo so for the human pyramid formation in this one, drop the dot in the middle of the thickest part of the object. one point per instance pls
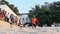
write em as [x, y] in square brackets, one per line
[7, 17]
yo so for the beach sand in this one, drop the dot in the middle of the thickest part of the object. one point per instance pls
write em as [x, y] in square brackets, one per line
[5, 29]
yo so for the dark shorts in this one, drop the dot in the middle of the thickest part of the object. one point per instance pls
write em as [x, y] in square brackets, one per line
[34, 24]
[12, 21]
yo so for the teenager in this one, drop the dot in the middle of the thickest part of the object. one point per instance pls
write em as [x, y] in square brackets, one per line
[34, 20]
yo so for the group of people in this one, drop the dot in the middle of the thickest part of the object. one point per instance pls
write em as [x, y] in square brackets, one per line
[2, 14]
[12, 19]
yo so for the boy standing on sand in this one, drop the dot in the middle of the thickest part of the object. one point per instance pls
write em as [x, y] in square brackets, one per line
[34, 20]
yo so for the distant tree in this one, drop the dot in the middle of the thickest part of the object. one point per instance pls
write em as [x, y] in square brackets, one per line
[55, 9]
[47, 15]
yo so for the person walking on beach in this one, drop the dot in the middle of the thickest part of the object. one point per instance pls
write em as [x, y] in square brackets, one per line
[34, 20]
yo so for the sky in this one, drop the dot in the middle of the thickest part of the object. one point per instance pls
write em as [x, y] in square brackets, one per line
[25, 5]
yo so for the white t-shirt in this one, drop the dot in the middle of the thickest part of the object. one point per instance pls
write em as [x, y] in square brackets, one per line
[7, 15]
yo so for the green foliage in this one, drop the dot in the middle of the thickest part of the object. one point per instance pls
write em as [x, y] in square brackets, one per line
[46, 15]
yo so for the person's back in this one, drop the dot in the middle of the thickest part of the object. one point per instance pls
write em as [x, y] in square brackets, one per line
[34, 20]
[11, 16]
[19, 23]
[7, 17]
[15, 20]
[12, 20]
[1, 15]
[4, 13]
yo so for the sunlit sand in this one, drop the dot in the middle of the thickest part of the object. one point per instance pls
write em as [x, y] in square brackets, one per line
[5, 29]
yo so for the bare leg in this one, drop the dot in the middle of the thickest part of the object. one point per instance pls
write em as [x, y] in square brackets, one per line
[10, 25]
[35, 26]
[32, 26]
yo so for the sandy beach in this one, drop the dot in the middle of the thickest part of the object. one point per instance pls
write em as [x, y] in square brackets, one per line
[29, 30]
[5, 29]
